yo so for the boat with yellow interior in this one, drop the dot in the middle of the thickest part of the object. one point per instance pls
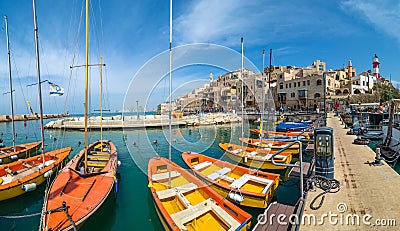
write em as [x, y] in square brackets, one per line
[244, 186]
[255, 158]
[272, 146]
[183, 202]
[9, 154]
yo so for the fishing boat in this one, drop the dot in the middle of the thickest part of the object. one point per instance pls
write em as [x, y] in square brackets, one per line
[293, 126]
[14, 152]
[25, 175]
[271, 145]
[256, 158]
[241, 185]
[183, 202]
[9, 154]
[85, 182]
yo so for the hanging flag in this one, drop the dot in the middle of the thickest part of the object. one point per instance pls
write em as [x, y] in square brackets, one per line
[56, 90]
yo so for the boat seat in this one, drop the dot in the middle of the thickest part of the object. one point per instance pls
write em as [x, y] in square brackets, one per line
[227, 178]
[237, 151]
[6, 179]
[201, 165]
[173, 191]
[96, 163]
[164, 175]
[252, 154]
[237, 184]
[99, 157]
[268, 157]
[192, 212]
[216, 174]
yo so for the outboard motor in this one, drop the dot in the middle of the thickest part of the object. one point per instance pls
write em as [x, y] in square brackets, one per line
[324, 152]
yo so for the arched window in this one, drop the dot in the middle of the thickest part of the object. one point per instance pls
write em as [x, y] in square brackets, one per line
[281, 86]
[345, 92]
[317, 95]
[319, 82]
[356, 91]
[329, 82]
[338, 92]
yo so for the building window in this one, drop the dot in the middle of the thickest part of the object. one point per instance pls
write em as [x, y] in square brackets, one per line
[286, 86]
[319, 82]
[317, 95]
[304, 83]
[364, 83]
[293, 95]
[290, 85]
[294, 84]
[329, 82]
[281, 86]
[308, 82]
[280, 76]
[321, 67]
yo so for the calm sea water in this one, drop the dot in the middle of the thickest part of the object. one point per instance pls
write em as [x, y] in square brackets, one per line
[133, 209]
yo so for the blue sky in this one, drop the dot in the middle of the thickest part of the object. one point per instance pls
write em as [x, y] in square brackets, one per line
[129, 34]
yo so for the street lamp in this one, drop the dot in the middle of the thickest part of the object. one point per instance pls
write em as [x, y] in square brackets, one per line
[137, 109]
[324, 79]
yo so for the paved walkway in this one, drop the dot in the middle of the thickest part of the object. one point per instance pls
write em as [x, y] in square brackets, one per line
[366, 192]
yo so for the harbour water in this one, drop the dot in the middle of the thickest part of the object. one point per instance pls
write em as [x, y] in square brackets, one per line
[133, 207]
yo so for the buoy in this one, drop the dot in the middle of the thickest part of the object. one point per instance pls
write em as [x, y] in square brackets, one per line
[235, 197]
[14, 157]
[154, 141]
[54, 139]
[174, 140]
[24, 123]
[119, 163]
[79, 143]
[48, 173]
[26, 137]
[134, 143]
[29, 187]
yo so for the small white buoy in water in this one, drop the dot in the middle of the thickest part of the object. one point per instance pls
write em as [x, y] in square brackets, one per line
[154, 141]
[174, 140]
[134, 143]
[119, 163]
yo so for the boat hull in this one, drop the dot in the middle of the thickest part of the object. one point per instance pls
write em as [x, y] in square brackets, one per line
[25, 150]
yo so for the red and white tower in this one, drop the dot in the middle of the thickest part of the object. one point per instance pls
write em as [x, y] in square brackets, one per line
[375, 65]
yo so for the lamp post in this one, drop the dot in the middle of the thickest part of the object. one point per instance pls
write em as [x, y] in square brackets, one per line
[324, 79]
[137, 109]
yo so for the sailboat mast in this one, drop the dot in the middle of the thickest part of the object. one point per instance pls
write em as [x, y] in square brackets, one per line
[11, 87]
[262, 98]
[170, 95]
[86, 83]
[38, 74]
[242, 101]
[101, 101]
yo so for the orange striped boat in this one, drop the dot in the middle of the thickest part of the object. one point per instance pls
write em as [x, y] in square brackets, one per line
[255, 158]
[271, 145]
[271, 134]
[7, 154]
[75, 194]
[25, 175]
[244, 186]
[189, 204]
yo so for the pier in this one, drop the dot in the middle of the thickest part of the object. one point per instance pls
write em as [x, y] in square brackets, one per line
[366, 191]
[24, 117]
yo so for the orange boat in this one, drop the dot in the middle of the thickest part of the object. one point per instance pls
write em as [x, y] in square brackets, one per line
[25, 175]
[7, 154]
[256, 158]
[271, 134]
[76, 194]
[244, 186]
[271, 145]
[183, 202]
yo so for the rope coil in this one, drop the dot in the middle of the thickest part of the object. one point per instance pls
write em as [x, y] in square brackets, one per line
[328, 185]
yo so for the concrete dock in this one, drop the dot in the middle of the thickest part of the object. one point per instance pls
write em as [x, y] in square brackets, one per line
[368, 193]
[23, 117]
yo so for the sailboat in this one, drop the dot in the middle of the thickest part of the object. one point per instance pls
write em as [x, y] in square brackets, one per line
[15, 152]
[25, 175]
[181, 200]
[85, 182]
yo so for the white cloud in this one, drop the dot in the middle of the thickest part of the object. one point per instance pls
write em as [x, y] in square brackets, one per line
[382, 15]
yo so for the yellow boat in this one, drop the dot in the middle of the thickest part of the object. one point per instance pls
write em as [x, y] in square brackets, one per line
[255, 158]
[8, 155]
[272, 146]
[189, 204]
[243, 186]
[25, 175]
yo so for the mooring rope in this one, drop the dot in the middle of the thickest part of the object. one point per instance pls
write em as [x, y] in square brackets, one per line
[21, 216]
[324, 183]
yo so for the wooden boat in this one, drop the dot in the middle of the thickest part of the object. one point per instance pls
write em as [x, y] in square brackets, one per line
[189, 204]
[7, 154]
[256, 158]
[271, 134]
[82, 192]
[240, 185]
[271, 145]
[25, 175]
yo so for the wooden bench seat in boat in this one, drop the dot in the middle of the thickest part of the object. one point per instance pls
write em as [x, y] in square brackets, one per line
[173, 191]
[192, 212]
[277, 157]
[227, 178]
[201, 165]
[98, 153]
[246, 177]
[164, 175]
[96, 163]
[216, 174]
[99, 157]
